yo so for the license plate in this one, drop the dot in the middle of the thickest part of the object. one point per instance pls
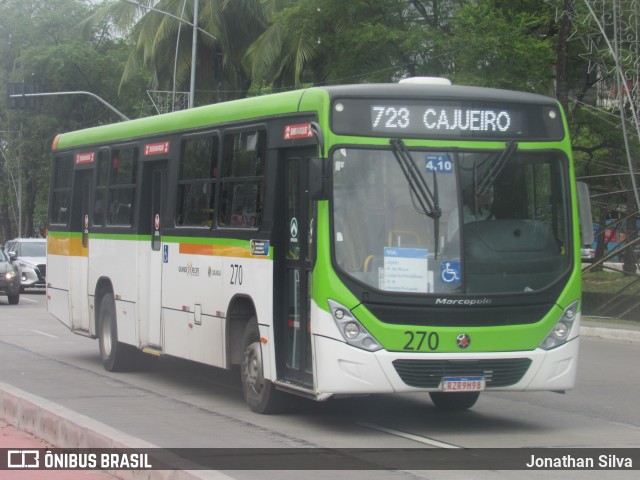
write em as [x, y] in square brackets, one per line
[463, 384]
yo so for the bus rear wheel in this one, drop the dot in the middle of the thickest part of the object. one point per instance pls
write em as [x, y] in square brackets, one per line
[454, 401]
[259, 393]
[116, 356]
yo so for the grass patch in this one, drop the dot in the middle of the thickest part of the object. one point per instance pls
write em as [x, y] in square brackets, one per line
[600, 299]
[610, 283]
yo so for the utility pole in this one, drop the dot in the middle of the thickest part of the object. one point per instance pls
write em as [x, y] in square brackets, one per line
[20, 181]
[18, 191]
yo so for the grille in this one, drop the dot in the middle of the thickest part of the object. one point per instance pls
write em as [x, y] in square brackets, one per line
[42, 272]
[429, 373]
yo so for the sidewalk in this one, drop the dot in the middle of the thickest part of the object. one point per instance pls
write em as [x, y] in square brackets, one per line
[11, 437]
[595, 327]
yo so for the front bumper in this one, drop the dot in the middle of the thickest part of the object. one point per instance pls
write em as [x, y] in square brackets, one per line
[9, 287]
[348, 370]
[32, 277]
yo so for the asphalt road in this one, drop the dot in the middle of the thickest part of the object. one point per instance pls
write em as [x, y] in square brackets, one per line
[171, 403]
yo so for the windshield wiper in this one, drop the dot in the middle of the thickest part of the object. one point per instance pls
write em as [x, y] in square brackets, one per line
[495, 169]
[427, 198]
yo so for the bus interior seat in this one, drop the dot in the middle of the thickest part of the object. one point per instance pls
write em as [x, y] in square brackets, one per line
[508, 251]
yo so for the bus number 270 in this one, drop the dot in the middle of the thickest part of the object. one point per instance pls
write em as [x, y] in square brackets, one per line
[417, 339]
[236, 274]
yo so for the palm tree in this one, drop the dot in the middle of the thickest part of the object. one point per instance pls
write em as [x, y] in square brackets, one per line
[289, 51]
[162, 35]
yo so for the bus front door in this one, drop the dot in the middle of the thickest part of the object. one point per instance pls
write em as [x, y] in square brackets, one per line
[151, 255]
[297, 361]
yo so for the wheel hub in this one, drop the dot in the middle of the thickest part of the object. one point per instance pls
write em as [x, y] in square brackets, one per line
[252, 367]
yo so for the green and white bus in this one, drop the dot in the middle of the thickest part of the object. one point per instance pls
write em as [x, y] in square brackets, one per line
[332, 241]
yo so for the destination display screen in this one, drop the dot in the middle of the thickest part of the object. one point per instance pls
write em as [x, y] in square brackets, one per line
[446, 119]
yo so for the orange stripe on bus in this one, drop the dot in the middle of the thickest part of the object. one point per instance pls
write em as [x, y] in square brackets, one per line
[66, 246]
[214, 250]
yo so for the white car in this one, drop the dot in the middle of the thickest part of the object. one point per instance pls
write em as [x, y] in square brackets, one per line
[31, 260]
[588, 254]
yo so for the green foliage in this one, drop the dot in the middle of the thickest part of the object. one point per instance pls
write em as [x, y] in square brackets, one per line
[47, 44]
[116, 50]
[501, 48]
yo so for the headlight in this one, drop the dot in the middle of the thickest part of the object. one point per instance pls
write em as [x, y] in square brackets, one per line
[351, 329]
[559, 334]
[10, 275]
[26, 265]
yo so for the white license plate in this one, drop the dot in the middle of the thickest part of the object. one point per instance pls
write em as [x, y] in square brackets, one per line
[463, 384]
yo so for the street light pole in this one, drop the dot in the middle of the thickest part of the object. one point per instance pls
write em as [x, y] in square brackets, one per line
[194, 51]
[77, 92]
[196, 6]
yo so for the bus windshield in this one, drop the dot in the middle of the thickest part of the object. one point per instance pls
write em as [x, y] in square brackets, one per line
[503, 224]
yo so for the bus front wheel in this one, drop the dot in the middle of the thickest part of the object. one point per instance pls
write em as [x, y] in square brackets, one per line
[259, 393]
[454, 402]
[116, 356]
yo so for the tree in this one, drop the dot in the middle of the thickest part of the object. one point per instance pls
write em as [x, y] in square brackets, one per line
[350, 42]
[41, 42]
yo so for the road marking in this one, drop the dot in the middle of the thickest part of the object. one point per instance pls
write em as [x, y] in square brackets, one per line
[409, 436]
[28, 300]
[44, 333]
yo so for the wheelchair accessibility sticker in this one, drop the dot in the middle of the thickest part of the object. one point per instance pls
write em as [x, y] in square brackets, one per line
[450, 271]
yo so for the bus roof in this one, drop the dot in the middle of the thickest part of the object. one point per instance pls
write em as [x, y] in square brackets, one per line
[440, 92]
[281, 104]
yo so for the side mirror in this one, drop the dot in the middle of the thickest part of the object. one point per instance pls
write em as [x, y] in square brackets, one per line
[12, 256]
[318, 178]
[584, 208]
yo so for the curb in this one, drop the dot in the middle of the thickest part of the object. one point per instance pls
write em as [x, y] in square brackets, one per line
[65, 428]
[611, 333]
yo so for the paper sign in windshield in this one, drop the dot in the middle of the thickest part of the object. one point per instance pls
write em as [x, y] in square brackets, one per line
[406, 270]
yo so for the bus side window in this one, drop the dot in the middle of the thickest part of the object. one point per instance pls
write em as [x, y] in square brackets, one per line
[197, 182]
[61, 188]
[102, 183]
[242, 179]
[122, 185]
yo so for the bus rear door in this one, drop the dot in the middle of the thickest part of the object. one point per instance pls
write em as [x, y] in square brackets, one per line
[151, 254]
[79, 251]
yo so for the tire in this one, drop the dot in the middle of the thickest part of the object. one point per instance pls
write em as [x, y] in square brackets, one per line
[454, 402]
[259, 393]
[13, 299]
[116, 356]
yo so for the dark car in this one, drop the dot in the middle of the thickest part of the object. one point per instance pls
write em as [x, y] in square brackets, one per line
[9, 279]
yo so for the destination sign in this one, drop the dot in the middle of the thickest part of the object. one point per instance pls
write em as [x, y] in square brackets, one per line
[442, 119]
